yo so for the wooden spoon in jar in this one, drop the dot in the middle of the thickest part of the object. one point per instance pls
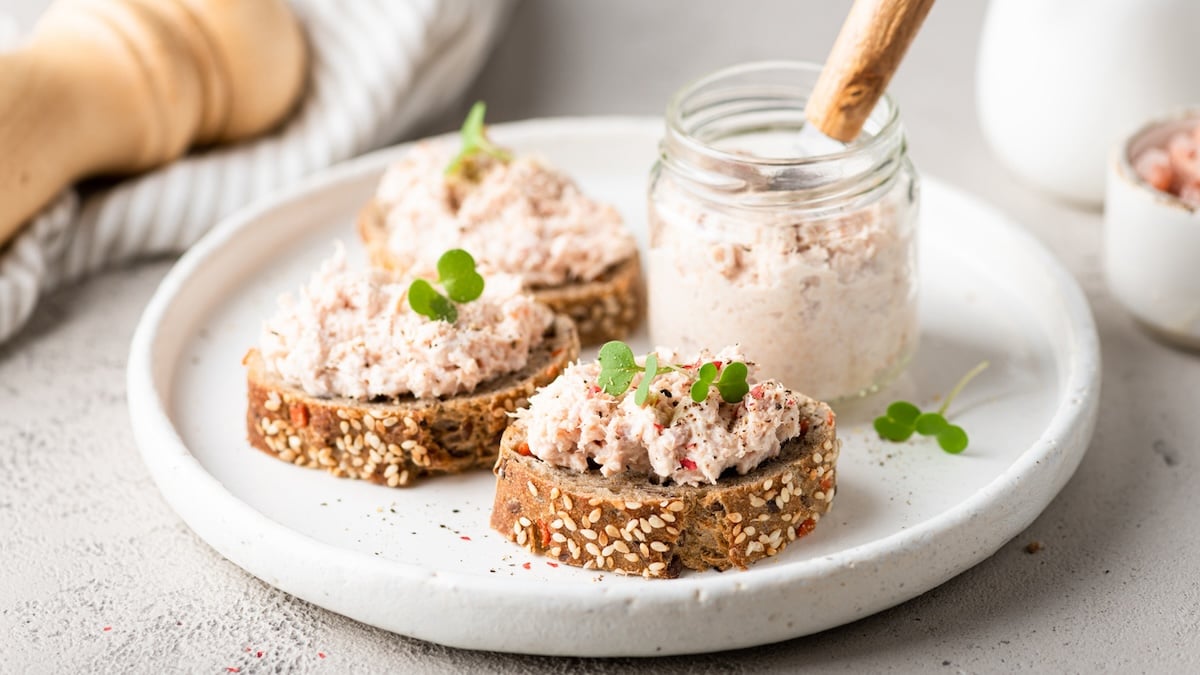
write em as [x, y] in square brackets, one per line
[865, 55]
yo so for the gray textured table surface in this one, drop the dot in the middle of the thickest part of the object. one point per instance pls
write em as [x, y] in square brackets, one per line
[96, 573]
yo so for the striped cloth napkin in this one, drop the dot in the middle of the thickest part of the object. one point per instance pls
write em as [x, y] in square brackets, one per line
[379, 68]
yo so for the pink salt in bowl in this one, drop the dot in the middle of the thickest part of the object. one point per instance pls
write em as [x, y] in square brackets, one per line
[1151, 236]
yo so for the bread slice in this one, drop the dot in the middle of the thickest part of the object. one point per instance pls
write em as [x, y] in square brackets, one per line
[398, 441]
[627, 524]
[607, 308]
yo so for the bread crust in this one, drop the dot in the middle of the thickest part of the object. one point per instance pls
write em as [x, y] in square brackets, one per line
[627, 525]
[607, 308]
[396, 442]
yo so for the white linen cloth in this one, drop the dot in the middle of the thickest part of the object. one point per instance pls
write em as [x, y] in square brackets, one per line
[379, 67]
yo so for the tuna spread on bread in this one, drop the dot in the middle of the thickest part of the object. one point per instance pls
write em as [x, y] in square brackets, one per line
[519, 217]
[350, 332]
[575, 424]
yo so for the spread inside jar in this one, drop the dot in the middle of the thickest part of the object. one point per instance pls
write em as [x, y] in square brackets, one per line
[350, 332]
[831, 299]
[576, 424]
[517, 216]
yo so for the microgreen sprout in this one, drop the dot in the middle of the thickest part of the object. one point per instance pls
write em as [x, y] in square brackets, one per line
[475, 141]
[704, 380]
[618, 367]
[457, 276]
[732, 385]
[643, 390]
[903, 418]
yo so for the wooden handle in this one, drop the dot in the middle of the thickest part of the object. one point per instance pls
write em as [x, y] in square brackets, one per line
[121, 86]
[866, 53]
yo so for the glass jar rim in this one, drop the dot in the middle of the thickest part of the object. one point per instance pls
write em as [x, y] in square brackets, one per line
[864, 143]
[723, 131]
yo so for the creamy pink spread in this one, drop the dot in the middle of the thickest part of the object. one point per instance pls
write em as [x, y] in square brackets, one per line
[571, 421]
[520, 217]
[1176, 168]
[831, 302]
[351, 333]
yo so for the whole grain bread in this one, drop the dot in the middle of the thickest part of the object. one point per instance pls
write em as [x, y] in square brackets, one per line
[607, 308]
[628, 525]
[397, 441]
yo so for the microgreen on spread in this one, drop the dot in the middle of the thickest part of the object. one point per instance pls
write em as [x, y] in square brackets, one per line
[618, 368]
[651, 370]
[903, 418]
[732, 386]
[457, 276]
[475, 141]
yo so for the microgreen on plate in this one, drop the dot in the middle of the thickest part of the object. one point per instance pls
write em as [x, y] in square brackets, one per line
[902, 418]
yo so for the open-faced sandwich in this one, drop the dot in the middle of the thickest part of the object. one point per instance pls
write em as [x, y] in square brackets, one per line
[517, 215]
[647, 468]
[372, 378]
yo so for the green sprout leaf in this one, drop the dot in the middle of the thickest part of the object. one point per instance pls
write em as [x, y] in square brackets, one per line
[953, 439]
[904, 412]
[892, 430]
[931, 424]
[428, 302]
[732, 385]
[704, 380]
[643, 390]
[617, 367]
[475, 141]
[903, 418]
[456, 273]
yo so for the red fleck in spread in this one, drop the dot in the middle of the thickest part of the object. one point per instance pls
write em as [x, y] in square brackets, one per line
[351, 333]
[521, 217]
[570, 421]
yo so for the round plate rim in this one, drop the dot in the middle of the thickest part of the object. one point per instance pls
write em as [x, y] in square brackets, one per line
[170, 462]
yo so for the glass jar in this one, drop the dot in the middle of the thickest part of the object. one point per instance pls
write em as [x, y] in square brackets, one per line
[767, 234]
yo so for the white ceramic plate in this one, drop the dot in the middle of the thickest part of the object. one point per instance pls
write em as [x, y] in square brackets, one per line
[423, 562]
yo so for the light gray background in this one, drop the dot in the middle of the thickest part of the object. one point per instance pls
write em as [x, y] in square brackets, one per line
[87, 543]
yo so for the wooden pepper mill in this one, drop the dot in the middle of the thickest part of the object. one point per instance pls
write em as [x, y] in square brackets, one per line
[108, 87]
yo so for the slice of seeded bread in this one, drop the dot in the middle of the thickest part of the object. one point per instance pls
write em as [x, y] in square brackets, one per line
[397, 441]
[626, 524]
[607, 308]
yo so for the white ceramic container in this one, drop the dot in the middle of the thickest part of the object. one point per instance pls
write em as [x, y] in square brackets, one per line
[1152, 239]
[1059, 82]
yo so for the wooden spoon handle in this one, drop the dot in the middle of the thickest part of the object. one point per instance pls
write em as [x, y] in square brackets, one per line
[866, 53]
[121, 86]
